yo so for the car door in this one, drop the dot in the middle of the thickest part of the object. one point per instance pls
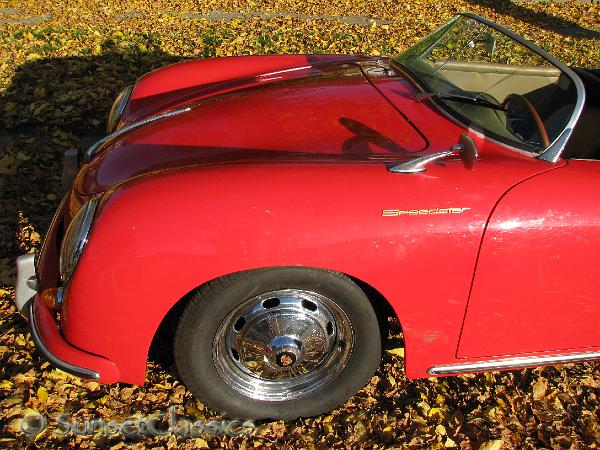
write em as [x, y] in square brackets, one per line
[537, 281]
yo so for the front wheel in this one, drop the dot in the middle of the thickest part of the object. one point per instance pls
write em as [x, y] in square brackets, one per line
[277, 343]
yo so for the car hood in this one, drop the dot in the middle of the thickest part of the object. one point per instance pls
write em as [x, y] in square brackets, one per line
[320, 113]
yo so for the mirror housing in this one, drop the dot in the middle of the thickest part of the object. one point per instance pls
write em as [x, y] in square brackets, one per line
[489, 42]
[466, 149]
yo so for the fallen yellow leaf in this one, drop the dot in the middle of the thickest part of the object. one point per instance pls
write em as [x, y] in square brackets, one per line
[492, 445]
[397, 351]
[42, 394]
[540, 387]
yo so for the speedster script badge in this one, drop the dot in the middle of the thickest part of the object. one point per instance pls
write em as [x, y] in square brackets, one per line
[420, 212]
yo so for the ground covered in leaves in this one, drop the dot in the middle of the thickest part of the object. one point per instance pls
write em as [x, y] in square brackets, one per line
[61, 65]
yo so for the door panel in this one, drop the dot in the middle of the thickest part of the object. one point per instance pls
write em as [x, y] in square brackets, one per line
[537, 281]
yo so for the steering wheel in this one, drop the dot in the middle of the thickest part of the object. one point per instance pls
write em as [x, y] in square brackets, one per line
[524, 101]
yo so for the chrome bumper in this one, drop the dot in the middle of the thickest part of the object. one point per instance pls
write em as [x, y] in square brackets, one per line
[81, 372]
[27, 284]
[25, 291]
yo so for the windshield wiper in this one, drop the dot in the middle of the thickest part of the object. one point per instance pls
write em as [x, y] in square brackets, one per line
[459, 98]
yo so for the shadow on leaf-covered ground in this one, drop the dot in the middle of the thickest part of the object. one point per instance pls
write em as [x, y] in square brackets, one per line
[541, 19]
[54, 104]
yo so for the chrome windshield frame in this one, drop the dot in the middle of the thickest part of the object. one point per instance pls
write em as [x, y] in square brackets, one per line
[553, 152]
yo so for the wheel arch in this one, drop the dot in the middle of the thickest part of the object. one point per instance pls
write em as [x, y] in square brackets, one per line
[164, 334]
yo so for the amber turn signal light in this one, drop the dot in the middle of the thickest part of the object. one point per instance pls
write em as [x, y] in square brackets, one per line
[49, 297]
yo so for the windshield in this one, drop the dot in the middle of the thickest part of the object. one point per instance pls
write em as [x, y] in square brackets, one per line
[493, 83]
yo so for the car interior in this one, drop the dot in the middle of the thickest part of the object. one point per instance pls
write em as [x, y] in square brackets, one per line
[493, 81]
[550, 91]
[585, 140]
[543, 86]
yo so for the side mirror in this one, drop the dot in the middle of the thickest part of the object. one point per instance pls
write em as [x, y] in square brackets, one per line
[489, 43]
[466, 149]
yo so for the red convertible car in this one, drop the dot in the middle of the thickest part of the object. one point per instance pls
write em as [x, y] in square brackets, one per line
[276, 207]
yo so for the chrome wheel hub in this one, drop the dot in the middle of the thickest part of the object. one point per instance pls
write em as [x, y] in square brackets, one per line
[285, 351]
[283, 345]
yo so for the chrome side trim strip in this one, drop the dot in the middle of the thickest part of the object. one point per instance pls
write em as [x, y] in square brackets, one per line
[90, 152]
[62, 365]
[512, 363]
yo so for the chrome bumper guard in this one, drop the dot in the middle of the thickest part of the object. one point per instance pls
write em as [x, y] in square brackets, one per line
[26, 286]
[70, 168]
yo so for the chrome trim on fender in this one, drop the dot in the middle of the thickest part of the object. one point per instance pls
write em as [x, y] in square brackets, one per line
[277, 72]
[512, 363]
[81, 372]
[117, 108]
[90, 152]
[67, 262]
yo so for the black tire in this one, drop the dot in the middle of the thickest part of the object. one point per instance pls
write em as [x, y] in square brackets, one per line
[213, 302]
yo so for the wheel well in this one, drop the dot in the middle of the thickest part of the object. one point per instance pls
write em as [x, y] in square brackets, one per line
[162, 343]
[382, 307]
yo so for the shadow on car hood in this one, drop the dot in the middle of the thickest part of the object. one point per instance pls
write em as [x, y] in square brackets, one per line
[325, 113]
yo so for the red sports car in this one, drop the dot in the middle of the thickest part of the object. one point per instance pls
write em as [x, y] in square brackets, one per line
[275, 208]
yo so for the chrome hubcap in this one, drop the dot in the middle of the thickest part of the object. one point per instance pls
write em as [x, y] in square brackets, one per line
[283, 345]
